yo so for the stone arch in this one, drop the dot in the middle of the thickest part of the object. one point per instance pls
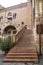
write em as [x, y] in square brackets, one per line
[9, 29]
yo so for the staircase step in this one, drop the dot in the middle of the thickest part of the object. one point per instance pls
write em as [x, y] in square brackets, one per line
[21, 57]
[23, 54]
[21, 60]
[23, 51]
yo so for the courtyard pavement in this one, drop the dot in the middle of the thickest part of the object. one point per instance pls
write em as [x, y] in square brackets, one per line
[2, 63]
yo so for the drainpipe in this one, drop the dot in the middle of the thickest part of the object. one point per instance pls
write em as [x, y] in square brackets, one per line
[33, 18]
[31, 14]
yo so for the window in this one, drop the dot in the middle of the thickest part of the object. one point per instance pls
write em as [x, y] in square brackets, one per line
[14, 16]
[14, 32]
[9, 14]
[1, 18]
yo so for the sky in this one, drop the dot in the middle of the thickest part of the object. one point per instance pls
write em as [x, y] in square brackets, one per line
[8, 3]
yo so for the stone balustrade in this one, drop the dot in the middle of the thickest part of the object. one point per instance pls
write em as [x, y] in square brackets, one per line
[18, 35]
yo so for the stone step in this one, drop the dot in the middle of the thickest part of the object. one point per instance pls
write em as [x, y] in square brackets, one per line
[28, 51]
[23, 54]
[29, 56]
[21, 60]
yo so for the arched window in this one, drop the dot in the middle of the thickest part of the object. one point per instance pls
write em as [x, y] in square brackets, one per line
[14, 15]
[9, 14]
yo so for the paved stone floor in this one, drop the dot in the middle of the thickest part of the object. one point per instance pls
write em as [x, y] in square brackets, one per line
[2, 63]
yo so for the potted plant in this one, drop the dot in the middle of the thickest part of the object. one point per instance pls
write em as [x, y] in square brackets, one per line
[6, 44]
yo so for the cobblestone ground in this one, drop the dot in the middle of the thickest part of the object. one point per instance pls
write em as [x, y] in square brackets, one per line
[2, 63]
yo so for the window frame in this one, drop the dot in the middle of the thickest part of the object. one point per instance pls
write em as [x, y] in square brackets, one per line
[14, 15]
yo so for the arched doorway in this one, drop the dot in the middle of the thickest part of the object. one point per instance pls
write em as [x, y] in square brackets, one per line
[9, 30]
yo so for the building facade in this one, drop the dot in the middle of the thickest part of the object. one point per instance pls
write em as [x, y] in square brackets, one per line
[29, 14]
[14, 16]
[38, 21]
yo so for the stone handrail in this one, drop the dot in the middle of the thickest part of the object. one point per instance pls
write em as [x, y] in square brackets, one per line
[18, 35]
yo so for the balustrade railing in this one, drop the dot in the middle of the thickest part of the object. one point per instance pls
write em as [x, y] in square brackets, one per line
[18, 35]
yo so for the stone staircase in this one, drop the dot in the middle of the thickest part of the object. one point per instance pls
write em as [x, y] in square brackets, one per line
[24, 51]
